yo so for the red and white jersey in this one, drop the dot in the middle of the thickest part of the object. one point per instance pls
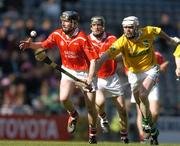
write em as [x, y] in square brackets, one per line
[76, 51]
[109, 67]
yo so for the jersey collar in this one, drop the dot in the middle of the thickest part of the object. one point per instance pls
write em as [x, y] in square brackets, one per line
[95, 39]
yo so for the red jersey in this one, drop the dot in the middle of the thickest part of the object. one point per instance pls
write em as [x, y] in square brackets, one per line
[159, 57]
[76, 52]
[109, 67]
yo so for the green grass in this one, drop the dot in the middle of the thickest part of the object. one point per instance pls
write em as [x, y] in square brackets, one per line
[71, 143]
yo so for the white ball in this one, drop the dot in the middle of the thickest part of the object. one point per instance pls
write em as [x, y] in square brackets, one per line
[33, 33]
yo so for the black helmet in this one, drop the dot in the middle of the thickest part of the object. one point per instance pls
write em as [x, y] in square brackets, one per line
[70, 15]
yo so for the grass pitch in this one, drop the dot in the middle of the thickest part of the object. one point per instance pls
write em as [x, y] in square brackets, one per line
[71, 143]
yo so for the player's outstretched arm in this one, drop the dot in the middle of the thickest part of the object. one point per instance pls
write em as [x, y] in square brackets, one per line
[172, 40]
[24, 44]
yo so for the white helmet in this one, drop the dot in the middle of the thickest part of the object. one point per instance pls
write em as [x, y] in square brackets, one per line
[131, 20]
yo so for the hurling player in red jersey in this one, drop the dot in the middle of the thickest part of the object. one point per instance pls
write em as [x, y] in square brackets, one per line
[109, 83]
[78, 58]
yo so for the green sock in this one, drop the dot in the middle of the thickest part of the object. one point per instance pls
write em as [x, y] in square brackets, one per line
[147, 121]
[153, 129]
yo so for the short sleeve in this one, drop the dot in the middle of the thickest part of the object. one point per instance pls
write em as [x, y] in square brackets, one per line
[49, 42]
[154, 30]
[115, 49]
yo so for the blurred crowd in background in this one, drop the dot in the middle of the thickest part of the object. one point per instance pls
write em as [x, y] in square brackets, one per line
[28, 86]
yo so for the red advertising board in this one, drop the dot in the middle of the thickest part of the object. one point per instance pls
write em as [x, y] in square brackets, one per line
[35, 127]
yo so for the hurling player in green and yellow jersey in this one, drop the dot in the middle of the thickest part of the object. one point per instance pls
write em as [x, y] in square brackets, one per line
[177, 60]
[136, 48]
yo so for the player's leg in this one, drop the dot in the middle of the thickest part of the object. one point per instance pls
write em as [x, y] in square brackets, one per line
[144, 104]
[154, 107]
[145, 88]
[121, 109]
[138, 119]
[147, 123]
[92, 115]
[100, 106]
[141, 84]
[117, 91]
[90, 105]
[154, 103]
[66, 90]
[140, 93]
[100, 102]
[139, 124]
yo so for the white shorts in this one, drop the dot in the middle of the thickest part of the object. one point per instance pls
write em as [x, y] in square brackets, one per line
[78, 74]
[153, 94]
[135, 79]
[111, 86]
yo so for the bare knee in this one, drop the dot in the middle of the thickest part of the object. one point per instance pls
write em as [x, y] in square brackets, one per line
[154, 112]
